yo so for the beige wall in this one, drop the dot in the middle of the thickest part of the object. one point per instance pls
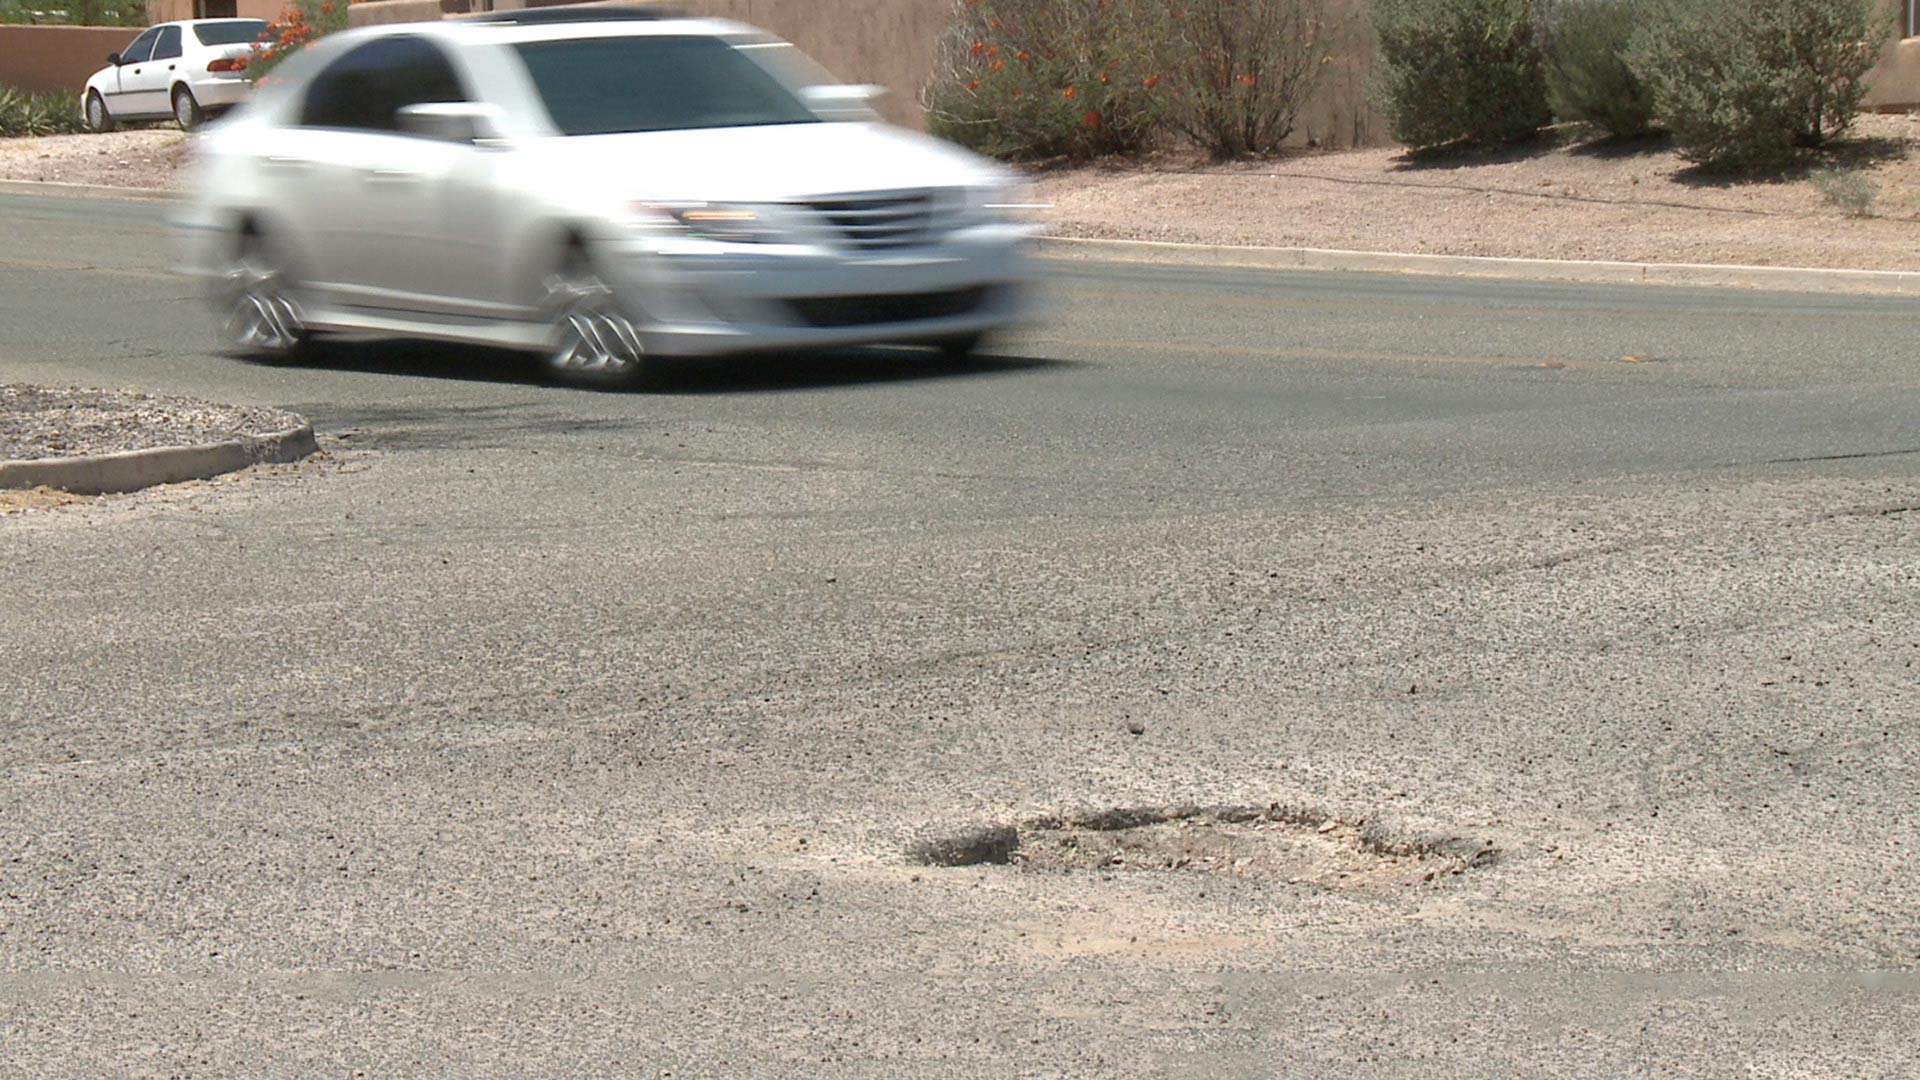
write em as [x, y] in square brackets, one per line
[57, 57]
[159, 11]
[1895, 82]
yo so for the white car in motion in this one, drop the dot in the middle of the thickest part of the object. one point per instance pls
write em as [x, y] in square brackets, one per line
[596, 185]
[185, 70]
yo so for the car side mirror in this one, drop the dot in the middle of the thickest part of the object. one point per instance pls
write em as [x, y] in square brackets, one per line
[450, 121]
[113, 58]
[840, 101]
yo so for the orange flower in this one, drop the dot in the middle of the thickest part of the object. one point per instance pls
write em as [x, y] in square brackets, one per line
[1102, 77]
[1091, 118]
[972, 85]
[1150, 81]
[997, 65]
[1016, 91]
[993, 24]
[1244, 80]
[978, 48]
[1021, 56]
[993, 50]
[327, 8]
[1067, 93]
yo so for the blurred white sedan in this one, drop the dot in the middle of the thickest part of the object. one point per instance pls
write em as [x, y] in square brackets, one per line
[185, 70]
[595, 187]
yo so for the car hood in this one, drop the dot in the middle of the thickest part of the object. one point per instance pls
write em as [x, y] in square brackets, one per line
[770, 163]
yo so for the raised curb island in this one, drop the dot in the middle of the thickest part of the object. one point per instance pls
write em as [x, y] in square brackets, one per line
[132, 470]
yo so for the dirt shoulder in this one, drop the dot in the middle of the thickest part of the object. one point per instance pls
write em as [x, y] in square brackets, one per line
[1563, 198]
[1560, 199]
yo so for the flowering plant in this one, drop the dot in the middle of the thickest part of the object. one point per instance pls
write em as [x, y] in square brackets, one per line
[299, 24]
[1040, 79]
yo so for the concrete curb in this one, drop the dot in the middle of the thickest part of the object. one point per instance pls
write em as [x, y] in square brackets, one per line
[1795, 279]
[113, 474]
[86, 191]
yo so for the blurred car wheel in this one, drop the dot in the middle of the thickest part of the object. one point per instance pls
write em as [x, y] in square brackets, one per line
[263, 320]
[595, 341]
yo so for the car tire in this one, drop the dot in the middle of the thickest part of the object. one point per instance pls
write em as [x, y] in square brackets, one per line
[263, 319]
[186, 110]
[97, 116]
[594, 341]
[961, 346]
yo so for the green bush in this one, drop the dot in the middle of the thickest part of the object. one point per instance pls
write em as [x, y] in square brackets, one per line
[75, 12]
[1459, 69]
[1749, 84]
[53, 113]
[1038, 79]
[1587, 74]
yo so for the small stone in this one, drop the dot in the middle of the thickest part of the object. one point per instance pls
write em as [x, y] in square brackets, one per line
[1135, 727]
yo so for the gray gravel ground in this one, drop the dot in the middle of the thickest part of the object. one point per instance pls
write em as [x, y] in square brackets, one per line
[538, 733]
[72, 421]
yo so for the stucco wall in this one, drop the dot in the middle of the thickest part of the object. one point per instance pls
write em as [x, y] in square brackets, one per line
[1895, 82]
[159, 11]
[57, 57]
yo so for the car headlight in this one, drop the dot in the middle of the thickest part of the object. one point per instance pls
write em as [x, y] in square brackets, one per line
[722, 222]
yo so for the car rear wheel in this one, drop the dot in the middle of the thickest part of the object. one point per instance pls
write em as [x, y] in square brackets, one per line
[263, 320]
[594, 341]
[186, 111]
[98, 118]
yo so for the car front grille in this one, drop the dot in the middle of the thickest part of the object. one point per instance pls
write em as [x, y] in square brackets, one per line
[887, 307]
[878, 222]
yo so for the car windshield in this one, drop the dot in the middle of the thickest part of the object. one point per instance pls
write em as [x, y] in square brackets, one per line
[229, 33]
[600, 86]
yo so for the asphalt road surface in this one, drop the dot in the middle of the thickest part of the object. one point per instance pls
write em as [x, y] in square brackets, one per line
[536, 732]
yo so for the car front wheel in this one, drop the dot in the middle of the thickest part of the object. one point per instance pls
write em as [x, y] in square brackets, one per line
[594, 341]
[186, 111]
[98, 118]
[263, 320]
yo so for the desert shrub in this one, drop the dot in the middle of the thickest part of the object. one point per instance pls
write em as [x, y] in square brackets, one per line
[1237, 71]
[1751, 83]
[1075, 79]
[1033, 79]
[1587, 74]
[1852, 190]
[53, 113]
[1459, 69]
[75, 13]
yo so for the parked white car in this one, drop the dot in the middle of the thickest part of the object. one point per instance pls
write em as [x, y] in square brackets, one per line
[597, 186]
[186, 70]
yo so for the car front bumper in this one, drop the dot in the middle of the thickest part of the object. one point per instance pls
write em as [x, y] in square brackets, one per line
[704, 299]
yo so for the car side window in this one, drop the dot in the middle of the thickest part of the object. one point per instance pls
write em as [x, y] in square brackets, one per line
[366, 88]
[167, 45]
[142, 48]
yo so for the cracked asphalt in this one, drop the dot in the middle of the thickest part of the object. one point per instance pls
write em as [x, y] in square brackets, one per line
[531, 732]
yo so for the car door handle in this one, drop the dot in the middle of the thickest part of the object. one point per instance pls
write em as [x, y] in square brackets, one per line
[292, 163]
[390, 176]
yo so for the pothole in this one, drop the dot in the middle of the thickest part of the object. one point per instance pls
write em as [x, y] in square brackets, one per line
[1270, 843]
